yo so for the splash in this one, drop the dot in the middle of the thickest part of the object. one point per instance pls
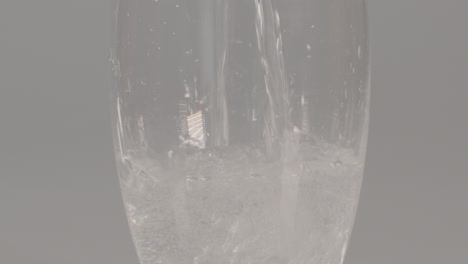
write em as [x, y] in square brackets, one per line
[221, 132]
[214, 51]
[270, 46]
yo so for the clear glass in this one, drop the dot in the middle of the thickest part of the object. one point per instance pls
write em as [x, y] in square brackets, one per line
[240, 127]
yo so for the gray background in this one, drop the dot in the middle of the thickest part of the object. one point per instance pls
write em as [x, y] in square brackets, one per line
[59, 196]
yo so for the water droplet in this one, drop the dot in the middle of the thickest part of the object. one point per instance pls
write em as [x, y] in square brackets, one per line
[337, 163]
[148, 196]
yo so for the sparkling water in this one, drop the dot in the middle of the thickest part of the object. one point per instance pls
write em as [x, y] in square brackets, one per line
[232, 206]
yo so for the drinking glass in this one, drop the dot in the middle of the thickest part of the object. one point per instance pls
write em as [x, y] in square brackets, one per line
[240, 127]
